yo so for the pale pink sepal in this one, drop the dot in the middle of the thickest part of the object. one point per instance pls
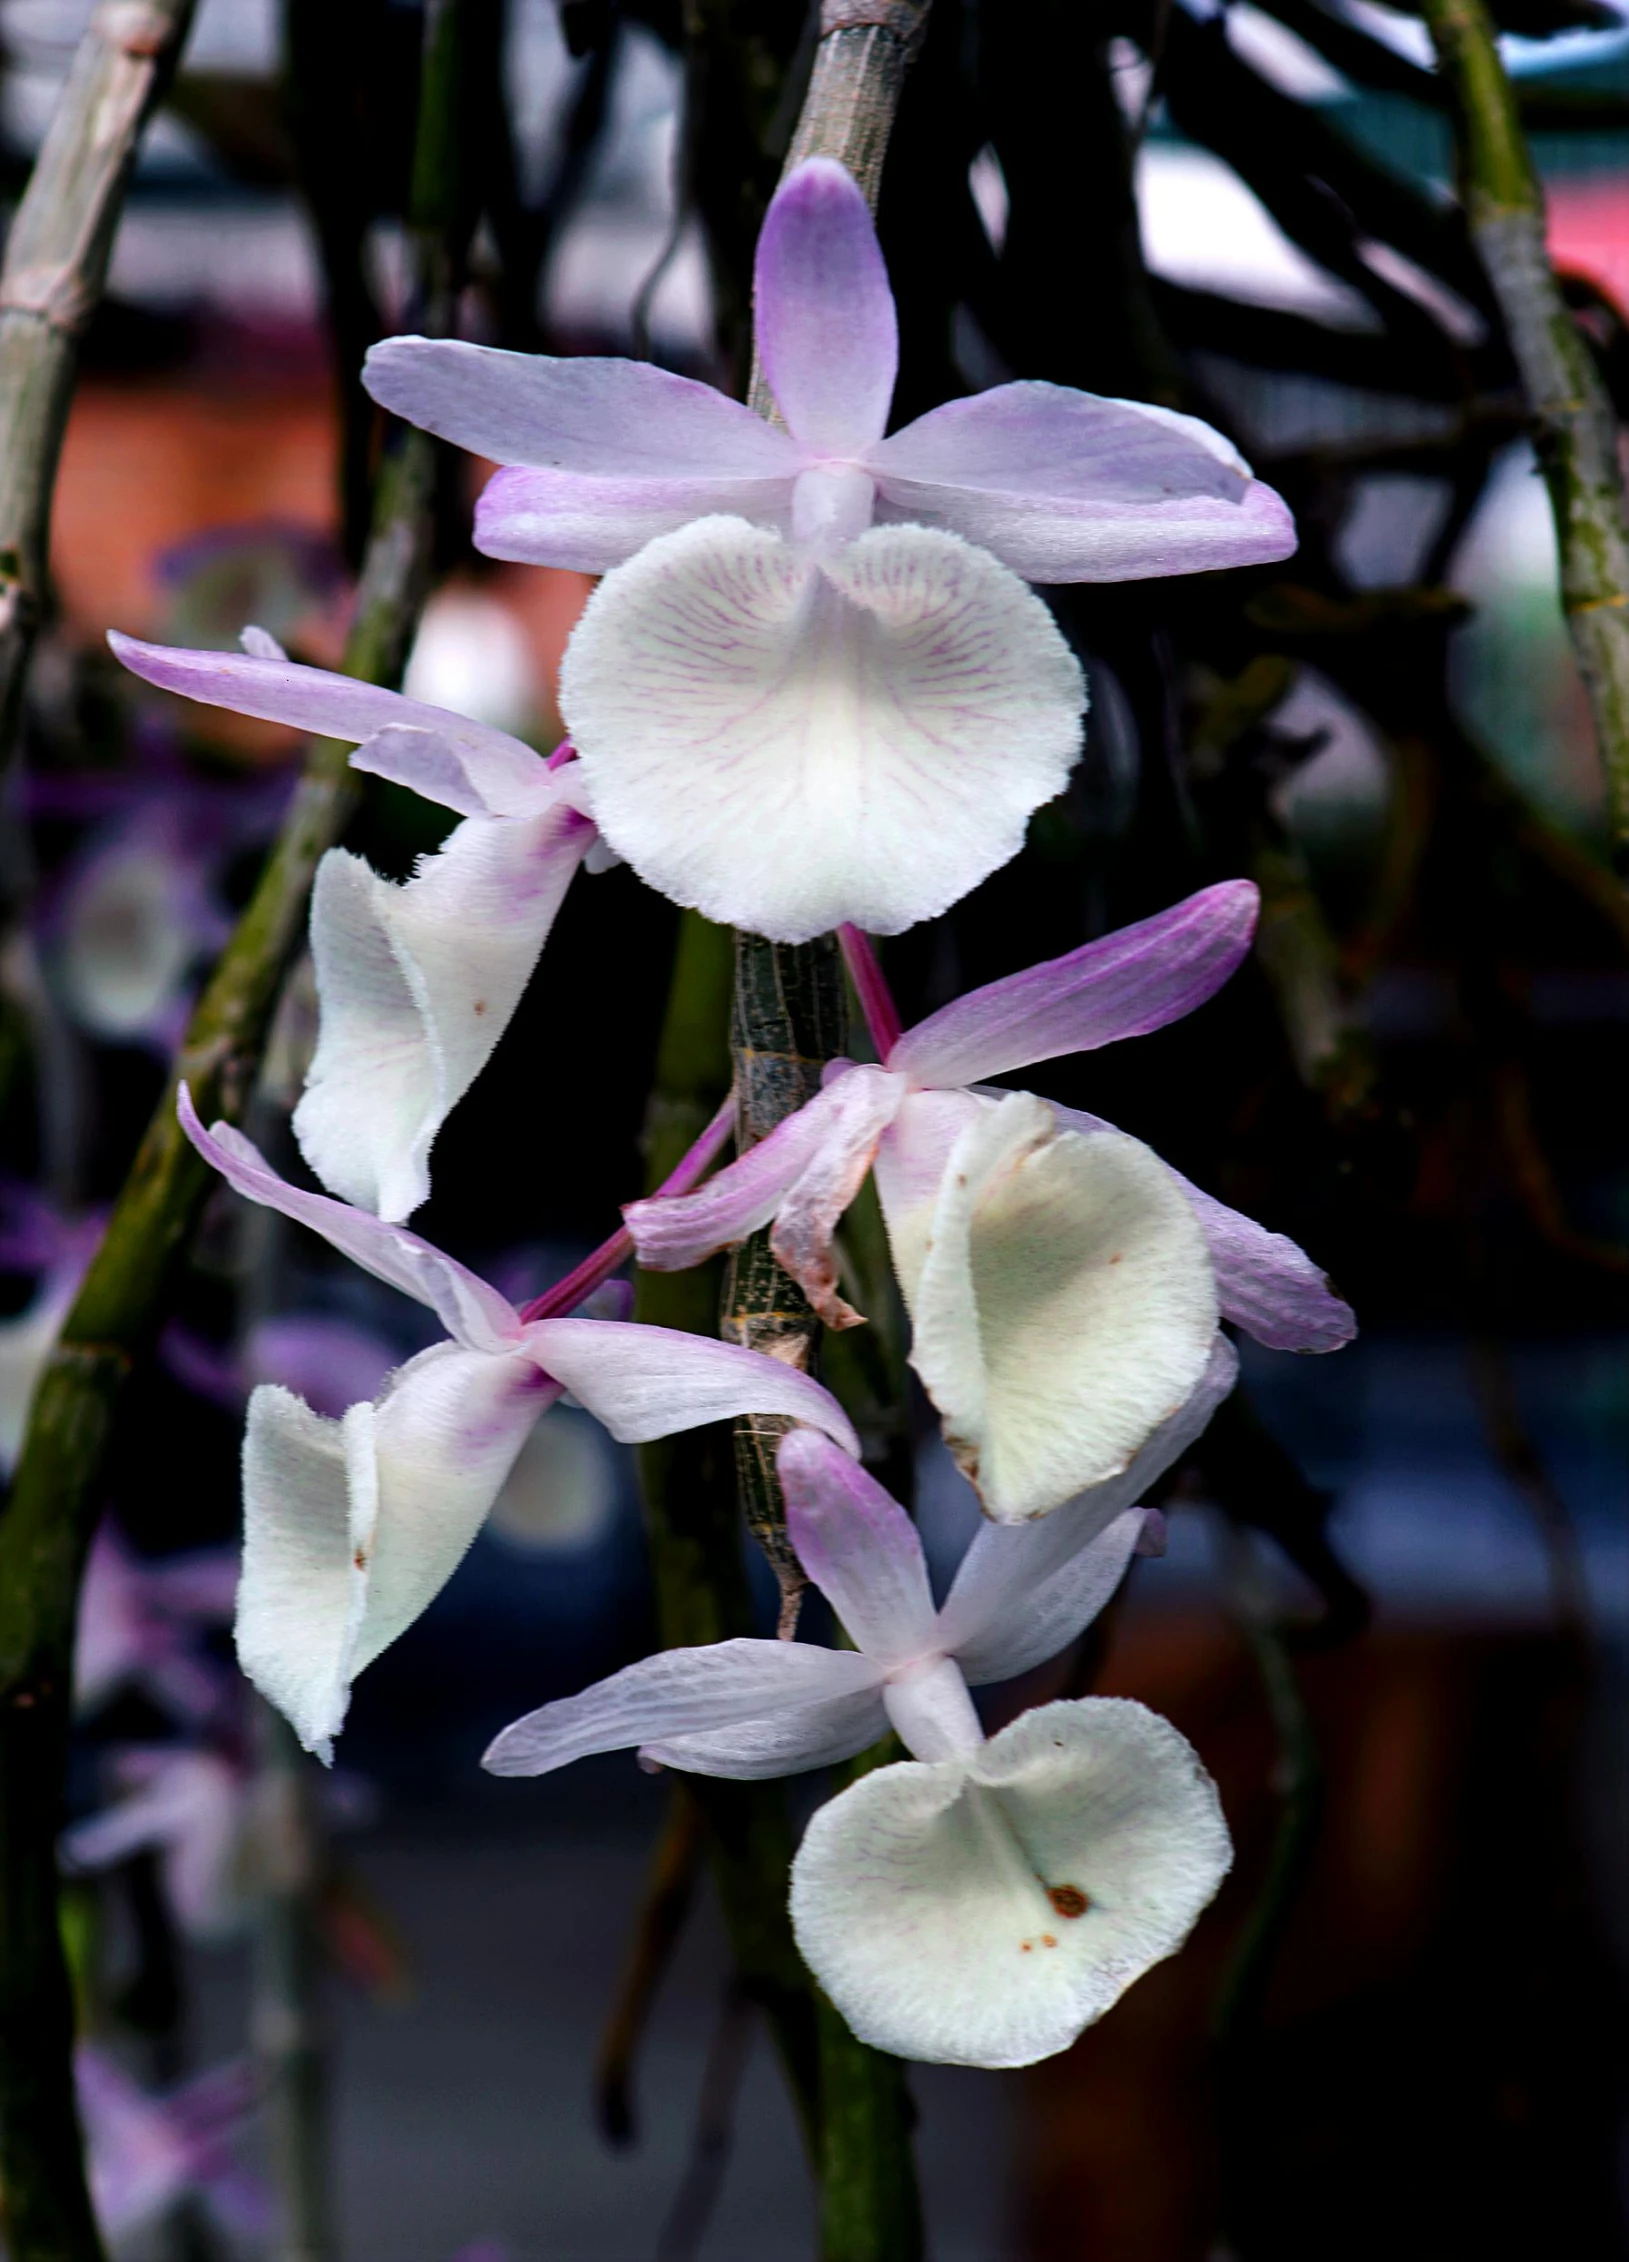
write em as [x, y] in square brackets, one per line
[824, 314]
[471, 1311]
[645, 1382]
[1265, 1283]
[856, 1110]
[610, 453]
[1128, 983]
[480, 765]
[685, 1692]
[859, 1547]
[1069, 486]
[1023, 1590]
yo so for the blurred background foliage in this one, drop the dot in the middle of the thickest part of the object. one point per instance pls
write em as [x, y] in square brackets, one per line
[1395, 1613]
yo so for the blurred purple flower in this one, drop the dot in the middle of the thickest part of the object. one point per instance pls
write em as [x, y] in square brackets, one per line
[138, 1627]
[145, 2153]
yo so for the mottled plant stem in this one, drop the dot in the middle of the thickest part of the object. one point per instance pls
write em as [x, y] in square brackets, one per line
[1574, 429]
[787, 1022]
[56, 1493]
[689, 1495]
[50, 285]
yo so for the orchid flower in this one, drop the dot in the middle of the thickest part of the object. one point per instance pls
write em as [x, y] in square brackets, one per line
[417, 983]
[789, 716]
[145, 2153]
[192, 1809]
[980, 1906]
[1064, 1284]
[352, 1527]
[139, 1624]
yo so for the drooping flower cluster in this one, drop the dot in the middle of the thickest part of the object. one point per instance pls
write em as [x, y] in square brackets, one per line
[813, 690]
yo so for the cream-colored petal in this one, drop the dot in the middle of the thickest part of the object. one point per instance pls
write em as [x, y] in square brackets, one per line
[1064, 1308]
[983, 1911]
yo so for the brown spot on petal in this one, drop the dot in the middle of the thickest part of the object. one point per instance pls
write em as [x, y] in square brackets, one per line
[1117, 1257]
[1068, 1900]
[360, 1559]
[1026, 1945]
[480, 1008]
[1047, 1940]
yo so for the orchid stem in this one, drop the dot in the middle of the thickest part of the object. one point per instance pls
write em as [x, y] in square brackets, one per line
[786, 1023]
[871, 988]
[613, 1253]
[56, 1493]
[51, 284]
[1574, 429]
[696, 1567]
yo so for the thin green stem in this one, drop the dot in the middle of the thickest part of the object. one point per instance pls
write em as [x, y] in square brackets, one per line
[1574, 430]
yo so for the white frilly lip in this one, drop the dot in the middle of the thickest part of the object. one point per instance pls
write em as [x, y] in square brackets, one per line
[785, 742]
[983, 1910]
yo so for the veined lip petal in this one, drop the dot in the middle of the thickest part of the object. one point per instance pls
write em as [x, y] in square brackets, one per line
[785, 746]
[985, 1909]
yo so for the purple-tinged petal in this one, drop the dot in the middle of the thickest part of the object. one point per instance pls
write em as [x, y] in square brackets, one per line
[1014, 1585]
[1065, 486]
[859, 1547]
[826, 330]
[859, 1108]
[779, 1743]
[594, 525]
[645, 1382]
[471, 1311]
[1124, 985]
[784, 745]
[190, 1806]
[1265, 1283]
[479, 763]
[683, 1692]
[433, 766]
[672, 1232]
[601, 456]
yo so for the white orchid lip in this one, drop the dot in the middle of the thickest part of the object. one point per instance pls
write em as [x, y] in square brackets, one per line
[983, 1909]
[786, 737]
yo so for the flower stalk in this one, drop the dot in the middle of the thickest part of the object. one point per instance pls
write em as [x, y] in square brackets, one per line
[1574, 429]
[787, 1022]
[51, 283]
